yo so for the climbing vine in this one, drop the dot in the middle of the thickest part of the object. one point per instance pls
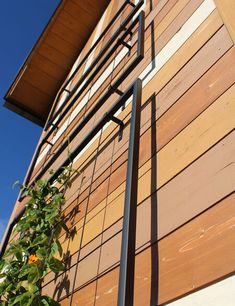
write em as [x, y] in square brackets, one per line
[34, 253]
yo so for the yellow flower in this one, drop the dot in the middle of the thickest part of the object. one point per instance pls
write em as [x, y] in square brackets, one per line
[33, 258]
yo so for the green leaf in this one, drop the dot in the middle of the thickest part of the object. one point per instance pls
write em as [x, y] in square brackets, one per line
[32, 288]
[39, 227]
[24, 192]
[58, 198]
[48, 208]
[3, 287]
[51, 215]
[25, 270]
[10, 288]
[24, 299]
[56, 247]
[3, 264]
[41, 239]
[41, 183]
[23, 224]
[14, 249]
[35, 273]
[56, 265]
[59, 247]
[42, 253]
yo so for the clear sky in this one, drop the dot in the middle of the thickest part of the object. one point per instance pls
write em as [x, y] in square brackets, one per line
[21, 23]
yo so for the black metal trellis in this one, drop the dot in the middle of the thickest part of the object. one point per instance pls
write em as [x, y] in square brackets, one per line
[136, 7]
[126, 278]
[127, 262]
[140, 54]
[114, 88]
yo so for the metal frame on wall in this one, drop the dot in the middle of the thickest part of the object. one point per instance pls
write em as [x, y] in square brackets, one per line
[127, 262]
[139, 56]
[122, 27]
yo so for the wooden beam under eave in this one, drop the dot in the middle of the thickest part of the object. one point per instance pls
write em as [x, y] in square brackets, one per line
[226, 9]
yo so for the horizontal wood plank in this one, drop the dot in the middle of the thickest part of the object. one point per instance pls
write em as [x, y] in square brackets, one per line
[216, 20]
[227, 11]
[158, 215]
[184, 261]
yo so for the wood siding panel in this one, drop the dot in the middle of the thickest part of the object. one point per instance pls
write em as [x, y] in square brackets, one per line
[187, 260]
[175, 63]
[218, 20]
[201, 134]
[219, 78]
[186, 194]
[182, 150]
[159, 216]
[227, 11]
[175, 90]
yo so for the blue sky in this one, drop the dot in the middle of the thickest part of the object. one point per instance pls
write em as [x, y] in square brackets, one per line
[21, 22]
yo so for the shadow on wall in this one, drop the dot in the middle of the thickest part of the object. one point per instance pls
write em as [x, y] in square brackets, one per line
[63, 286]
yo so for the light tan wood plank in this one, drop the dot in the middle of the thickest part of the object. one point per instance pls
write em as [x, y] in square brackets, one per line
[226, 9]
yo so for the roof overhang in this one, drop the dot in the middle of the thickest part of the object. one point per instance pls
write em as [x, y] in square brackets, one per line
[32, 92]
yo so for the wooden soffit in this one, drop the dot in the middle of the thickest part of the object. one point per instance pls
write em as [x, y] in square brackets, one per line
[34, 88]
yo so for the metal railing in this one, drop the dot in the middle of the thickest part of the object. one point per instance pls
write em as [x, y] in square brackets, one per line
[139, 56]
[136, 7]
[127, 261]
[102, 100]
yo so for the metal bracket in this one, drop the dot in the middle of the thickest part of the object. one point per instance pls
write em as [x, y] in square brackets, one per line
[125, 44]
[48, 142]
[131, 3]
[128, 31]
[120, 123]
[115, 89]
[120, 93]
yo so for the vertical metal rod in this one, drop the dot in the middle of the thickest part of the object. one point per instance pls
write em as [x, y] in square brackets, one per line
[127, 263]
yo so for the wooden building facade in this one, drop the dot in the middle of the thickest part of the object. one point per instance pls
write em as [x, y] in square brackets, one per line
[182, 54]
